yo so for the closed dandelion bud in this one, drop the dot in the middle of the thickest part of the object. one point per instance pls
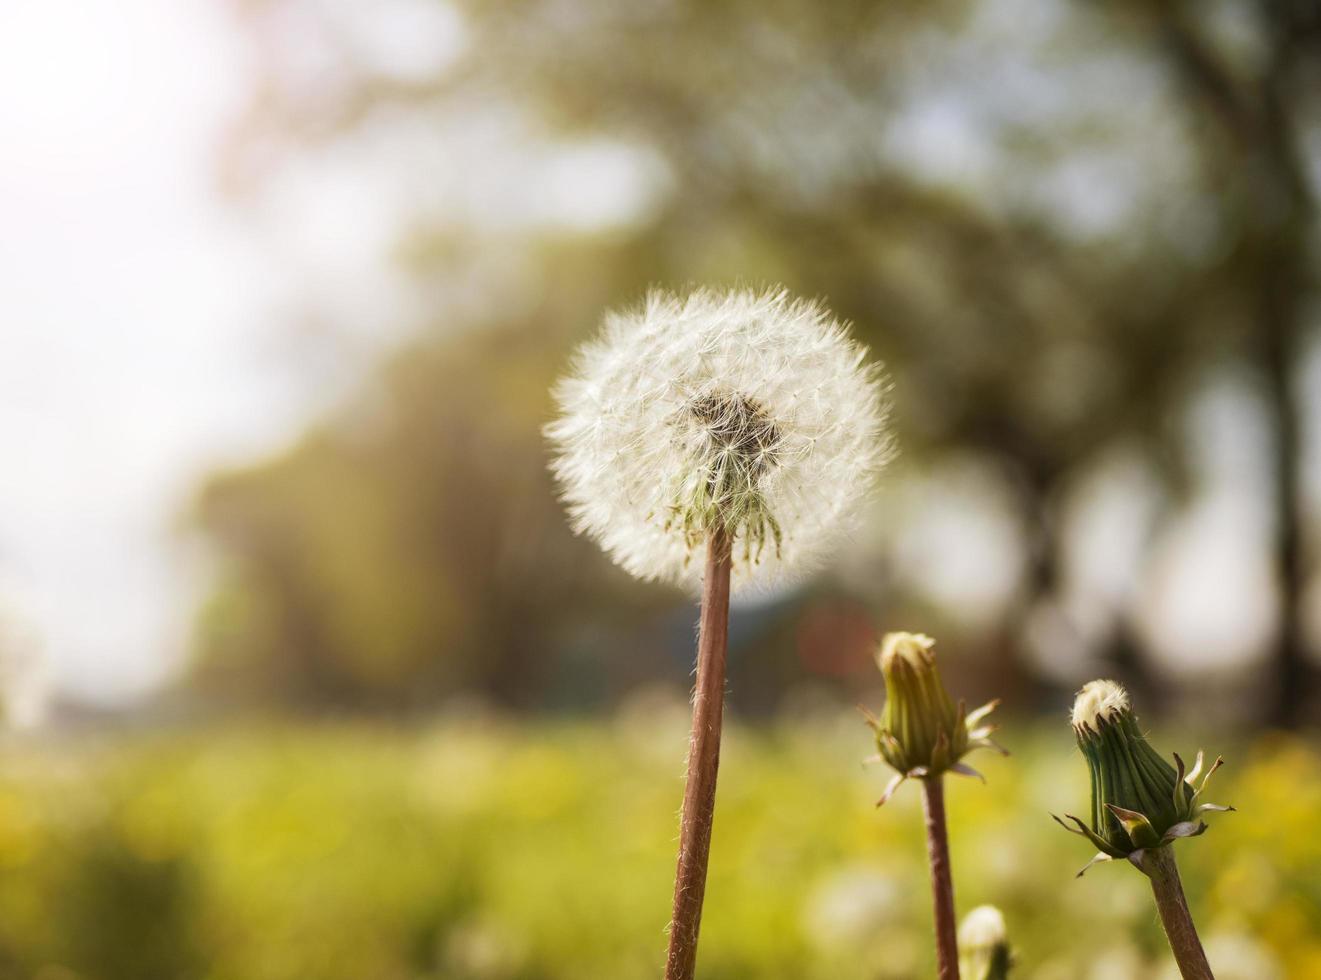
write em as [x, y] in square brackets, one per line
[983, 945]
[922, 732]
[1139, 800]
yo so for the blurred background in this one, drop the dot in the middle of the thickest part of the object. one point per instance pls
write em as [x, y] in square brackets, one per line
[306, 675]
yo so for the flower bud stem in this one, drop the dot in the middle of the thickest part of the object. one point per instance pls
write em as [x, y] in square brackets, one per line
[699, 798]
[1158, 863]
[942, 885]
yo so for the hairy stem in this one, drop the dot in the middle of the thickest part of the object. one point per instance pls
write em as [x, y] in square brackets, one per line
[699, 797]
[942, 885]
[1158, 863]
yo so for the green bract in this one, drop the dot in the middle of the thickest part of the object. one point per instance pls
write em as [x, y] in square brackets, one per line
[922, 732]
[1139, 800]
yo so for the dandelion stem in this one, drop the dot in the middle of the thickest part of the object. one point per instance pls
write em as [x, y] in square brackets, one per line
[699, 797]
[1159, 865]
[942, 885]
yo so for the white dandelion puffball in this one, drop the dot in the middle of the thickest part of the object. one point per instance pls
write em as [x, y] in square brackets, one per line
[751, 411]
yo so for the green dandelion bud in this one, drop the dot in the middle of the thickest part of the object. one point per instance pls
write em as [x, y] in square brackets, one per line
[1139, 800]
[922, 733]
[983, 945]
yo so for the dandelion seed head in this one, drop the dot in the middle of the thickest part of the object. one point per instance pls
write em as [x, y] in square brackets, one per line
[748, 410]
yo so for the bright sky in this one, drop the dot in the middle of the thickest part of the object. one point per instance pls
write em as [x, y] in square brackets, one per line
[133, 342]
[147, 330]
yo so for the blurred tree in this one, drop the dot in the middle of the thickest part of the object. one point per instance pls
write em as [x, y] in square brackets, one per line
[1024, 210]
[410, 548]
[1254, 114]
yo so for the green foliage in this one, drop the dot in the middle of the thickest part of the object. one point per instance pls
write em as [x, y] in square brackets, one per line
[486, 851]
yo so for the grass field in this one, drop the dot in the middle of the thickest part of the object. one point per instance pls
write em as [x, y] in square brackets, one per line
[486, 849]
